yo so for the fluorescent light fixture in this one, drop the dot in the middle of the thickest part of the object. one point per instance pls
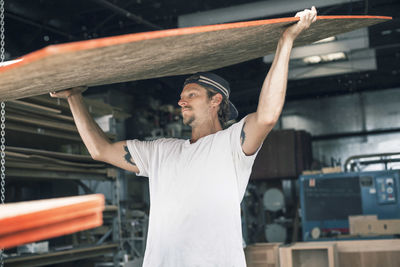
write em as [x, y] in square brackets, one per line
[351, 41]
[252, 10]
[333, 57]
[360, 60]
[326, 40]
[324, 58]
[312, 59]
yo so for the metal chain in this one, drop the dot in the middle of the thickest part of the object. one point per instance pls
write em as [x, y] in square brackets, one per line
[2, 39]
[2, 122]
[2, 149]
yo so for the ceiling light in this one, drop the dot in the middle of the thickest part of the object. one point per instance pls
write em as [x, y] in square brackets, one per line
[324, 58]
[326, 40]
[333, 57]
[312, 59]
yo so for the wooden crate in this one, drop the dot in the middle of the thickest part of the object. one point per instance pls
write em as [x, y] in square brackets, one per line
[351, 253]
[308, 254]
[369, 253]
[262, 255]
[370, 225]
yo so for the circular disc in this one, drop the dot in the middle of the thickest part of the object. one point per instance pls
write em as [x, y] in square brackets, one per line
[275, 233]
[273, 199]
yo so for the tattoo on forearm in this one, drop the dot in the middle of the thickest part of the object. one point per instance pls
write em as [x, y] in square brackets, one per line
[243, 134]
[128, 156]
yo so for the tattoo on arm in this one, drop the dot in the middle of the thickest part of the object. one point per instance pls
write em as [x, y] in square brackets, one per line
[243, 135]
[128, 156]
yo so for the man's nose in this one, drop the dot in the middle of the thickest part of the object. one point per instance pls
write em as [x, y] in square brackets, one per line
[182, 103]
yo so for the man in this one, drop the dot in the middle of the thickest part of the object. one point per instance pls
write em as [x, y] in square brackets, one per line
[196, 185]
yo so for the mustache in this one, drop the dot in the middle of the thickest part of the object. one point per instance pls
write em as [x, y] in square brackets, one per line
[186, 107]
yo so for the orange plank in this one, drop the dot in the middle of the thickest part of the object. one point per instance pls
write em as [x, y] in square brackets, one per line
[51, 230]
[30, 221]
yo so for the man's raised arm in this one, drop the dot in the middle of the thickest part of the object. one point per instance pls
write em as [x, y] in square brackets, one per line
[272, 96]
[97, 143]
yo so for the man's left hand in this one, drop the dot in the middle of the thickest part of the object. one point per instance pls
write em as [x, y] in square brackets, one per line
[306, 18]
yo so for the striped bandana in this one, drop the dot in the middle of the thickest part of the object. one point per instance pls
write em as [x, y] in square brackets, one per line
[216, 82]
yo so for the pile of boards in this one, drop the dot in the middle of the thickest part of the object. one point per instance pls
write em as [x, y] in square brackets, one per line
[38, 126]
[51, 118]
[37, 163]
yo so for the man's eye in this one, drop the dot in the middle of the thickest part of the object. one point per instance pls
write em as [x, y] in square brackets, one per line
[191, 95]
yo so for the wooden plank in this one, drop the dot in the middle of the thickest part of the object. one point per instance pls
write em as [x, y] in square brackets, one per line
[48, 132]
[159, 53]
[30, 221]
[59, 155]
[31, 107]
[37, 158]
[95, 107]
[40, 174]
[332, 169]
[54, 168]
[43, 114]
[42, 123]
[46, 100]
[40, 131]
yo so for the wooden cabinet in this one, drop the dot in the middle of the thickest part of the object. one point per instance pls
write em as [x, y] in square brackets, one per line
[284, 155]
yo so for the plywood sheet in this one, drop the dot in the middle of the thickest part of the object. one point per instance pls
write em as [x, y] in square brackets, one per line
[159, 53]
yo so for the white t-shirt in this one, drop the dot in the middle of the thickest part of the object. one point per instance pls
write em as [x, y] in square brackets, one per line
[195, 195]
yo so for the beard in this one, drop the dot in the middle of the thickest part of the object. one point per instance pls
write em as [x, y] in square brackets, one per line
[188, 120]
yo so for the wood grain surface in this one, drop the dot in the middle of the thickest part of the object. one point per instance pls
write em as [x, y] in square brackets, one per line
[30, 221]
[159, 53]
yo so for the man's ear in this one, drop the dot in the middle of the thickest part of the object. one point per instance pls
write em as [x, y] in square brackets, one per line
[216, 99]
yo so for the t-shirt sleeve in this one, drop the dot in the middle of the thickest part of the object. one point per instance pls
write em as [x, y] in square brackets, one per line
[243, 163]
[142, 153]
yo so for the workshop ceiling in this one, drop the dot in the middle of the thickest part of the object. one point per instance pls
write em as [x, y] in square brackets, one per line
[34, 24]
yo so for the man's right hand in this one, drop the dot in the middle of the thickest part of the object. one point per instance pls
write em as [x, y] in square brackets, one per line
[69, 92]
[307, 17]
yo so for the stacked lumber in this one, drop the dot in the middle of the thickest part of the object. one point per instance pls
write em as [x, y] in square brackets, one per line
[37, 163]
[28, 118]
[46, 123]
[39, 132]
[51, 118]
